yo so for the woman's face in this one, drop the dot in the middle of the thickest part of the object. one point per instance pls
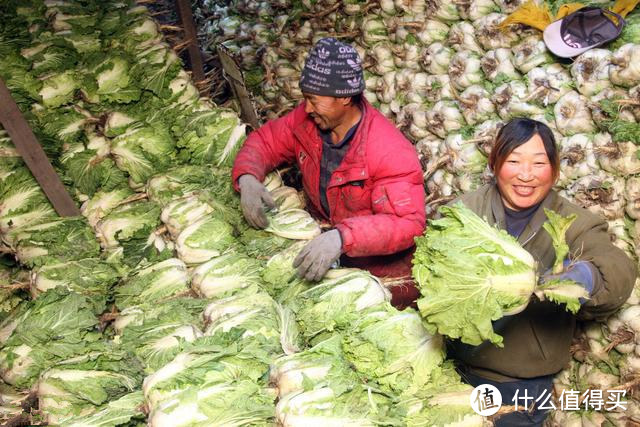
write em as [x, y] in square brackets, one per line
[526, 176]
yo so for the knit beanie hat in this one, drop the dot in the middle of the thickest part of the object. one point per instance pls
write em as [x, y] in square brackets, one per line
[332, 68]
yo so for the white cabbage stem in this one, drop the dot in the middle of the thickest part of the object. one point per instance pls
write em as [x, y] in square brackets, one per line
[563, 418]
[229, 25]
[476, 105]
[596, 379]
[597, 342]
[618, 158]
[385, 109]
[577, 158]
[374, 30]
[529, 53]
[573, 115]
[492, 37]
[619, 236]
[411, 7]
[630, 366]
[292, 89]
[633, 105]
[480, 8]
[624, 330]
[630, 316]
[404, 117]
[600, 193]
[355, 8]
[260, 34]
[436, 57]
[591, 71]
[465, 70]
[442, 10]
[508, 6]
[465, 156]
[465, 182]
[432, 31]
[386, 89]
[498, 64]
[441, 183]
[548, 84]
[462, 37]
[370, 80]
[634, 298]
[418, 88]
[285, 70]
[428, 148]
[628, 109]
[632, 195]
[485, 133]
[383, 58]
[388, 7]
[444, 117]
[418, 126]
[438, 87]
[396, 107]
[409, 56]
[625, 66]
[371, 97]
[405, 80]
[248, 56]
[510, 100]
[635, 235]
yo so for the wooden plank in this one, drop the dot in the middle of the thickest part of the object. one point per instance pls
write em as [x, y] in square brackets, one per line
[190, 33]
[33, 155]
[233, 74]
[230, 67]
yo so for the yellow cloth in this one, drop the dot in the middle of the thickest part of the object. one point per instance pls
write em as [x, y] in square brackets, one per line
[529, 14]
[623, 7]
[566, 9]
[540, 17]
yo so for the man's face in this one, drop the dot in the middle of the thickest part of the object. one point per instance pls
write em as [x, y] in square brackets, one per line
[326, 111]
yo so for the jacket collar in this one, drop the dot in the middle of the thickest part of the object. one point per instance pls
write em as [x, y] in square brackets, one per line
[353, 166]
[534, 226]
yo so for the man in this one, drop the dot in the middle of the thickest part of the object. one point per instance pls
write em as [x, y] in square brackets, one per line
[358, 171]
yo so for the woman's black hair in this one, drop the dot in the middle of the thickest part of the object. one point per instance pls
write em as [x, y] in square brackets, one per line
[518, 131]
[356, 99]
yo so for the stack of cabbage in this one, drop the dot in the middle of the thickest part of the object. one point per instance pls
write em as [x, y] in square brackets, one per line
[159, 303]
[448, 77]
[112, 107]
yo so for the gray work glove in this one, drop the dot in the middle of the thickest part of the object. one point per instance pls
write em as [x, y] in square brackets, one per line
[318, 255]
[254, 197]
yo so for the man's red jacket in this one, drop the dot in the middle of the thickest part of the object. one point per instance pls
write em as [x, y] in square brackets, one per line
[376, 195]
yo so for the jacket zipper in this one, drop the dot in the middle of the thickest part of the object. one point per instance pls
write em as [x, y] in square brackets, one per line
[530, 237]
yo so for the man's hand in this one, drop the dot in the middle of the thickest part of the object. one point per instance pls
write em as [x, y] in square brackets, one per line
[254, 196]
[318, 255]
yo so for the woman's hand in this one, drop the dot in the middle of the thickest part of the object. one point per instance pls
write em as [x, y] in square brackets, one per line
[581, 272]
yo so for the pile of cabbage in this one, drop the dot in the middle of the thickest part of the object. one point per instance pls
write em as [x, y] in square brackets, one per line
[158, 304]
[448, 77]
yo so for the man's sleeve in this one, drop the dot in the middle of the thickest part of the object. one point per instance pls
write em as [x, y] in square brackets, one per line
[267, 147]
[397, 199]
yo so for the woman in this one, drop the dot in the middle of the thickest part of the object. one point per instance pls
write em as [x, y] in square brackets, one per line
[525, 164]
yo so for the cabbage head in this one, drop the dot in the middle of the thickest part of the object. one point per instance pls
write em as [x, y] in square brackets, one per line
[470, 273]
[393, 348]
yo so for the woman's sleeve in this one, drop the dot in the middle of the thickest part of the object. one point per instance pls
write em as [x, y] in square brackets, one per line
[617, 272]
